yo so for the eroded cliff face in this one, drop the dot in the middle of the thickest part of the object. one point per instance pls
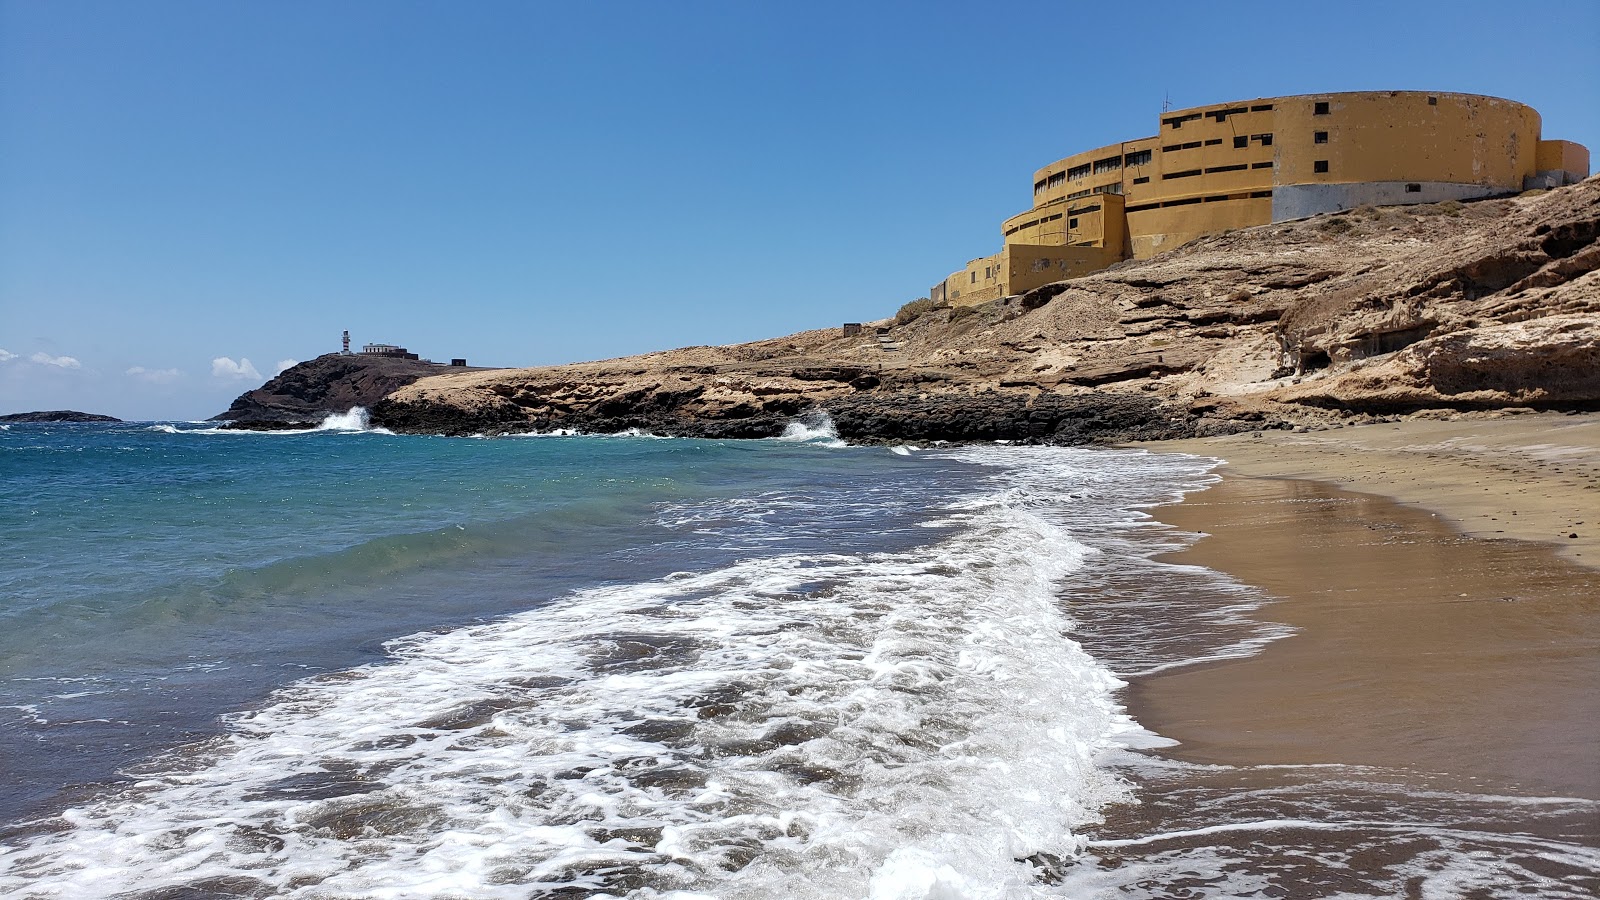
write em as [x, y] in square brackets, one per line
[1483, 305]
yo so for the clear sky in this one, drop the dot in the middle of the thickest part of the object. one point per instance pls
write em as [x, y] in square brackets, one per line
[192, 193]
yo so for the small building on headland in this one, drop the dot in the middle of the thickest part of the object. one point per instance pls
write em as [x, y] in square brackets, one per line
[391, 350]
[1252, 162]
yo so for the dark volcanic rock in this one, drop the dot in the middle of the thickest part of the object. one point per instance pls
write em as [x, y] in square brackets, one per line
[307, 393]
[57, 415]
[991, 416]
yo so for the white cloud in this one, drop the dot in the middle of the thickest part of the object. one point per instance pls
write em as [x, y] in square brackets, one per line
[60, 362]
[223, 367]
[7, 356]
[155, 376]
[284, 364]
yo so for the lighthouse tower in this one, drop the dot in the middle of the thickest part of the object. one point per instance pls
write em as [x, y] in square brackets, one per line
[346, 350]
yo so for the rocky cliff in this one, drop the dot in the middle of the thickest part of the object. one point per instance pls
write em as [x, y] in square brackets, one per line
[1368, 312]
[307, 393]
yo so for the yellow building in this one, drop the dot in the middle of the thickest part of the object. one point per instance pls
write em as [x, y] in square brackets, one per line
[1233, 165]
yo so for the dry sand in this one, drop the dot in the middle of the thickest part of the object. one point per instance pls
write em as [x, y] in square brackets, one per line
[1438, 636]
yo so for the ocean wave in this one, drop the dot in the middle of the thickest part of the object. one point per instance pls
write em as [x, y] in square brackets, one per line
[812, 428]
[811, 725]
[355, 420]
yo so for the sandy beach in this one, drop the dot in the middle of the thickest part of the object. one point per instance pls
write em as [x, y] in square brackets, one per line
[1442, 579]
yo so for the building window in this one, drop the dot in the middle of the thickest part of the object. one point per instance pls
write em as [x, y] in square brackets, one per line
[1241, 142]
[1261, 165]
[1076, 172]
[1072, 223]
[1319, 166]
[1321, 109]
[1413, 188]
[1265, 139]
[1142, 180]
[1038, 186]
[1319, 137]
[1213, 142]
[1140, 158]
[974, 277]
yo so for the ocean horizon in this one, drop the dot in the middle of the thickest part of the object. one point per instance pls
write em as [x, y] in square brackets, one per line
[343, 663]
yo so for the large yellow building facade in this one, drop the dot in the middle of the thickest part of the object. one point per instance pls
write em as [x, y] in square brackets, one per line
[1253, 162]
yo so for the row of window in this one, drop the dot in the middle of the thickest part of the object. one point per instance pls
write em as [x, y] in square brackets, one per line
[1220, 115]
[1098, 167]
[1189, 201]
[1240, 142]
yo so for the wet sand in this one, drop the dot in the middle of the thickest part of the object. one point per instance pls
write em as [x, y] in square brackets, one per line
[1428, 639]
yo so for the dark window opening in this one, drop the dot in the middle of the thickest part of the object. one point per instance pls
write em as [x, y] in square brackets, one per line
[1072, 223]
[1076, 194]
[1265, 107]
[1321, 109]
[1109, 164]
[1213, 142]
[1143, 180]
[1076, 172]
[1261, 165]
[1320, 165]
[1182, 202]
[1258, 194]
[1241, 141]
[1171, 147]
[1140, 158]
[1319, 137]
[1264, 139]
[1226, 168]
[1086, 209]
[1413, 188]
[1433, 101]
[1038, 186]
[974, 277]
[1217, 199]
[1187, 173]
[1177, 121]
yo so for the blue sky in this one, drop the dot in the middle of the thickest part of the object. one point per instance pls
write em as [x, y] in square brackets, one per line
[187, 186]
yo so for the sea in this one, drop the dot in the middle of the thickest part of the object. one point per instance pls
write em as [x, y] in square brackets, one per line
[342, 663]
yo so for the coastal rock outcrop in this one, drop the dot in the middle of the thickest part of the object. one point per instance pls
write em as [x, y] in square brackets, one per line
[1368, 312]
[57, 415]
[308, 392]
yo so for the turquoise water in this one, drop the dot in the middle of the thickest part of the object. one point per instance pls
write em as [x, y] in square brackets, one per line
[348, 664]
[159, 575]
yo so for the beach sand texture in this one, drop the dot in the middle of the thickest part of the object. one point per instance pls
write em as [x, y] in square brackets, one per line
[1438, 636]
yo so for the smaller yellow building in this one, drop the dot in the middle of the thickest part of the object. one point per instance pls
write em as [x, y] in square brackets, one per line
[1234, 165]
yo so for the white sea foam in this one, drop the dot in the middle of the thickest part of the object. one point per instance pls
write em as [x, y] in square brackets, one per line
[812, 428]
[353, 421]
[890, 726]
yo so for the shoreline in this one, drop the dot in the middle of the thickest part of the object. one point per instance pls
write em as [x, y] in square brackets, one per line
[1436, 633]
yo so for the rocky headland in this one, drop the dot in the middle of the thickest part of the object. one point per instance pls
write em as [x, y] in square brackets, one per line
[57, 415]
[1340, 318]
[306, 393]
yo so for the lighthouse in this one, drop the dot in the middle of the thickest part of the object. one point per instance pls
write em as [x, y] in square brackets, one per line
[346, 350]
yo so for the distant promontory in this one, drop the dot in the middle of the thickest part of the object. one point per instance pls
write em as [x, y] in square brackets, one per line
[57, 415]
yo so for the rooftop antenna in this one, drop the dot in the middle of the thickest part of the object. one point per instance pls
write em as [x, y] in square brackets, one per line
[346, 351]
[1166, 102]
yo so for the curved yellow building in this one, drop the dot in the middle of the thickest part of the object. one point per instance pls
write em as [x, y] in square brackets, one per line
[1251, 162]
